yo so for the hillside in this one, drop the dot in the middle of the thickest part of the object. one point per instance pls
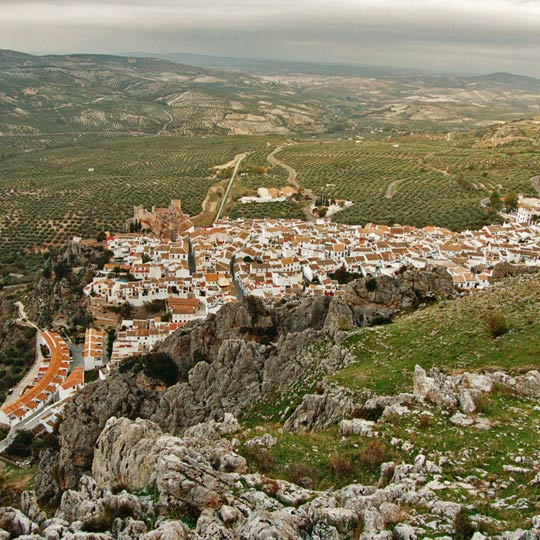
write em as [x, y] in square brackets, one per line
[397, 431]
[104, 94]
[113, 94]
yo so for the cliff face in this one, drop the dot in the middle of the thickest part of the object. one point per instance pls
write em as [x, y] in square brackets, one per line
[57, 298]
[232, 360]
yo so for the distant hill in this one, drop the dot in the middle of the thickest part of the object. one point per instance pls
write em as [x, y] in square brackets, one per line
[509, 81]
[187, 94]
[272, 67]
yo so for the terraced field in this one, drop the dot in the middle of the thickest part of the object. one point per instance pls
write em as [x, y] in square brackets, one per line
[48, 196]
[433, 179]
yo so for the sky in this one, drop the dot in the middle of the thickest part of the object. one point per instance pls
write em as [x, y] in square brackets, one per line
[467, 36]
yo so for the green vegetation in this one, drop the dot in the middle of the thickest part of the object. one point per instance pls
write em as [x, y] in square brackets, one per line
[17, 354]
[48, 196]
[452, 336]
[434, 180]
[319, 460]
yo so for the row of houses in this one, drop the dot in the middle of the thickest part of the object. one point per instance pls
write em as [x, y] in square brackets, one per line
[54, 382]
[140, 336]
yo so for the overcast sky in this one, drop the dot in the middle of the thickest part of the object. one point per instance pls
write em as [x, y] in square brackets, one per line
[447, 35]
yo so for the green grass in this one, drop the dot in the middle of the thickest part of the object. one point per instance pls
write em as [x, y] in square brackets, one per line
[449, 335]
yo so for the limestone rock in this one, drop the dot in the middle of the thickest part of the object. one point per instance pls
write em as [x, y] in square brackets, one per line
[16, 523]
[357, 426]
[318, 411]
[529, 384]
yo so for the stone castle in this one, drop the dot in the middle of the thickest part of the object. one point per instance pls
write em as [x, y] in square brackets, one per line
[166, 223]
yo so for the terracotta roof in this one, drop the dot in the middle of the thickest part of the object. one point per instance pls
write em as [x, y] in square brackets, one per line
[59, 353]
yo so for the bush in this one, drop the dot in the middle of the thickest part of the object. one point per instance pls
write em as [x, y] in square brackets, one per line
[340, 465]
[303, 474]
[371, 284]
[159, 366]
[260, 459]
[425, 420]
[22, 445]
[463, 525]
[373, 413]
[155, 306]
[343, 276]
[496, 324]
[372, 455]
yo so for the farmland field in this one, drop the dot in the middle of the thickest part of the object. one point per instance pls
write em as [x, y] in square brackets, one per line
[433, 179]
[48, 196]
[54, 188]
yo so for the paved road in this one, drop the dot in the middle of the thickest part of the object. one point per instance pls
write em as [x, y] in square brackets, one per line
[229, 187]
[23, 317]
[291, 179]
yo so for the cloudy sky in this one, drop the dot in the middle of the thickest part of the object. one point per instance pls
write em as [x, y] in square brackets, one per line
[447, 35]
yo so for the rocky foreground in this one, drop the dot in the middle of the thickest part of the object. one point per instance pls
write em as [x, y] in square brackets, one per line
[142, 460]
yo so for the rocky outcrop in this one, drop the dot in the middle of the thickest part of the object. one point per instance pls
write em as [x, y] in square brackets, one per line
[318, 411]
[242, 354]
[136, 455]
[200, 478]
[57, 298]
[122, 395]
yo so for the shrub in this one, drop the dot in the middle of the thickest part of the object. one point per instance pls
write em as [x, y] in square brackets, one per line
[159, 366]
[373, 413]
[303, 474]
[340, 465]
[463, 525]
[22, 445]
[496, 324]
[260, 459]
[482, 402]
[371, 284]
[372, 455]
[425, 420]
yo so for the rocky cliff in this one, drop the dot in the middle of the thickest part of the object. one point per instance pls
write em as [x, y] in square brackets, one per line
[232, 360]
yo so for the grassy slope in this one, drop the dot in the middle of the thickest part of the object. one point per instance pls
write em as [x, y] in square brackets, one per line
[450, 335]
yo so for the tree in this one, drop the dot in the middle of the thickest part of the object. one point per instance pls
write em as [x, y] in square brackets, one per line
[511, 201]
[62, 270]
[101, 236]
[495, 202]
[126, 310]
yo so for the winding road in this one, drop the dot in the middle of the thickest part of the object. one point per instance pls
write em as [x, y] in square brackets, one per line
[166, 125]
[292, 178]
